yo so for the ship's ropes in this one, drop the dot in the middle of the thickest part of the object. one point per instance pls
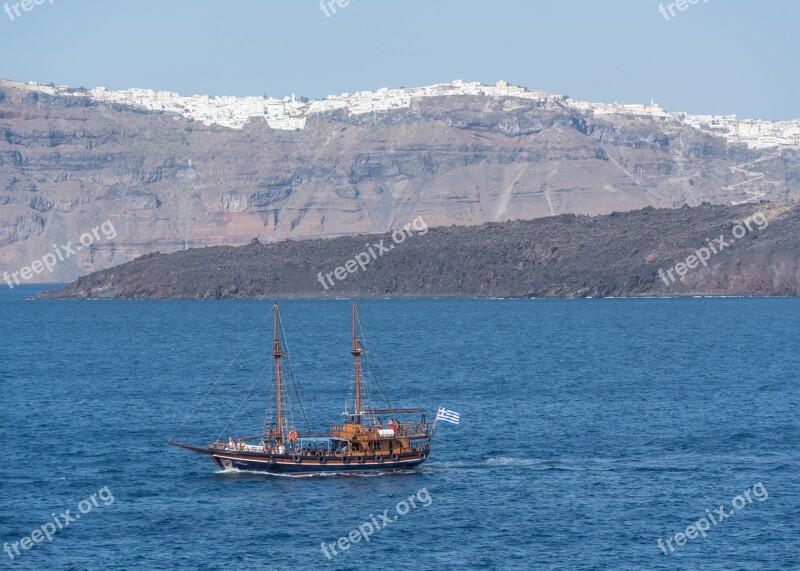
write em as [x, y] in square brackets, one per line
[221, 375]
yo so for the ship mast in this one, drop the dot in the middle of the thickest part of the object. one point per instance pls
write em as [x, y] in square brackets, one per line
[356, 352]
[276, 354]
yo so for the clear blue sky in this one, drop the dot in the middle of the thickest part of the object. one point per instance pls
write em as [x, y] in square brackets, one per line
[717, 56]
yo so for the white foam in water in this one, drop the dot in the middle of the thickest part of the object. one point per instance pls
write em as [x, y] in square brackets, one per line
[500, 460]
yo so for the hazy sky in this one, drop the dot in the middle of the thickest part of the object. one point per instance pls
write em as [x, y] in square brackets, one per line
[717, 56]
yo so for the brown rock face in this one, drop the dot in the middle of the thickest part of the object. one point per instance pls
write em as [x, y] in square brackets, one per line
[69, 164]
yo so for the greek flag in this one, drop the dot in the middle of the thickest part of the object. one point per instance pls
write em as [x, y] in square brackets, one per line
[448, 415]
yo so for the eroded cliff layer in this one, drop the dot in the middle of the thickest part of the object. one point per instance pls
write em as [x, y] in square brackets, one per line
[68, 164]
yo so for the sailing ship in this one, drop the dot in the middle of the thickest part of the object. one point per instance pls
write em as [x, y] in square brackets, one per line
[368, 440]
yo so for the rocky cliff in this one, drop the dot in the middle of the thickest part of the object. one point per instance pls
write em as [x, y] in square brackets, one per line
[69, 164]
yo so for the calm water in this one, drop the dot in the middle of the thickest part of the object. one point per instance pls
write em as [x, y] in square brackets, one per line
[590, 429]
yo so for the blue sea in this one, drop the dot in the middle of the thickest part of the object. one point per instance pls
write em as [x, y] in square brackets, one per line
[590, 430]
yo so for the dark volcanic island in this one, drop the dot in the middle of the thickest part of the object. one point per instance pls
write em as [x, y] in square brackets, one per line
[751, 249]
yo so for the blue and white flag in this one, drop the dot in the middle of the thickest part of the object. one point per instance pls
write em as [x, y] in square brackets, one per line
[448, 415]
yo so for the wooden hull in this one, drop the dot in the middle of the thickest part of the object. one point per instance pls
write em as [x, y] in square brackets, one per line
[296, 465]
[307, 465]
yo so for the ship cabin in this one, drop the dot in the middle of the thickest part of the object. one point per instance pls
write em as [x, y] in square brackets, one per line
[368, 434]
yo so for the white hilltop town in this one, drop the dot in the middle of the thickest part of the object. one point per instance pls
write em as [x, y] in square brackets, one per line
[291, 114]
